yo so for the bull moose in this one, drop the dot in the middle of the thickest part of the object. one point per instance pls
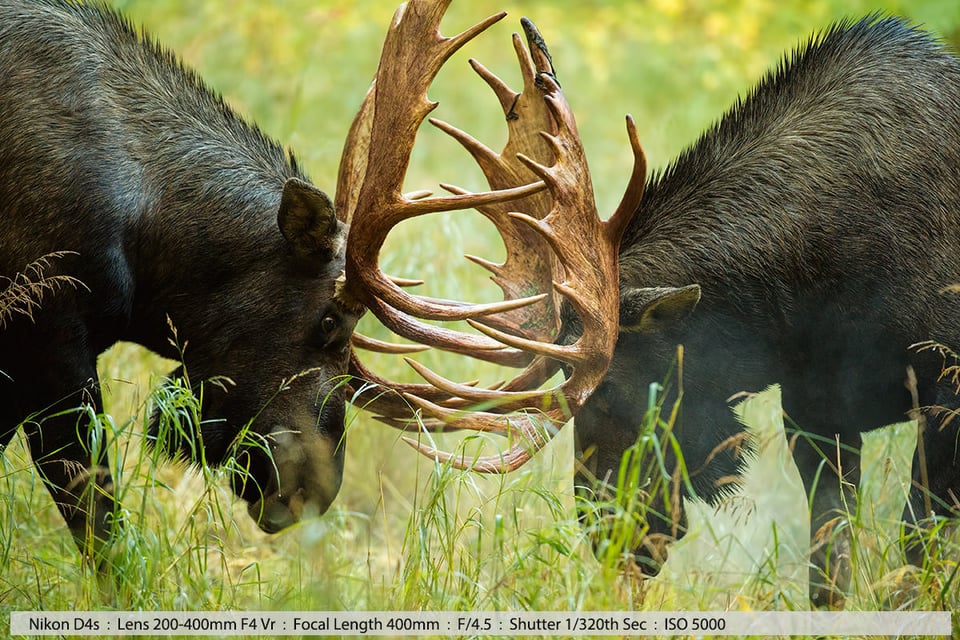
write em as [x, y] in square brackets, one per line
[163, 205]
[809, 239]
[154, 205]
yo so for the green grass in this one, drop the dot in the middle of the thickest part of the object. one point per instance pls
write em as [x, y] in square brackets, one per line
[406, 533]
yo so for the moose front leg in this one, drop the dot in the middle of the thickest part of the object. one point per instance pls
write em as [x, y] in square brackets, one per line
[68, 449]
[831, 478]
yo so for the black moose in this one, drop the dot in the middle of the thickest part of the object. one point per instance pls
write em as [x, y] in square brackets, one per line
[810, 238]
[120, 170]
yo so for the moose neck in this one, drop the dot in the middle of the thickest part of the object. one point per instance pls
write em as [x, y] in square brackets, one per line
[208, 222]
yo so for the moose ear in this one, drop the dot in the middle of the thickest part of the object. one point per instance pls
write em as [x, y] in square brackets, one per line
[655, 309]
[307, 220]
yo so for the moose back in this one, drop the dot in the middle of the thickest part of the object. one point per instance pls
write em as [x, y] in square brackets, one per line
[120, 170]
[810, 239]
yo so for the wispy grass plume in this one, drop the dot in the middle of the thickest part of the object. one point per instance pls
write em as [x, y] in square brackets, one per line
[23, 293]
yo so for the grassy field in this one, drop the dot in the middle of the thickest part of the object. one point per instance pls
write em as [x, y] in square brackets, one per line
[406, 533]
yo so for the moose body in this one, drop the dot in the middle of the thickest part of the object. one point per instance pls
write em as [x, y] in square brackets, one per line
[165, 208]
[808, 239]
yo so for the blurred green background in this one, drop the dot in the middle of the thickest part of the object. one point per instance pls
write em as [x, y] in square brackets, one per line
[299, 70]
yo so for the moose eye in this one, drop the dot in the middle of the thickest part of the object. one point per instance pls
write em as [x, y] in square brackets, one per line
[328, 333]
[329, 324]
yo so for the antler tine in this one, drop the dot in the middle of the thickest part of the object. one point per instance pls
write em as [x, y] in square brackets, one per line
[510, 460]
[633, 194]
[390, 399]
[385, 397]
[476, 346]
[496, 400]
[528, 433]
[379, 346]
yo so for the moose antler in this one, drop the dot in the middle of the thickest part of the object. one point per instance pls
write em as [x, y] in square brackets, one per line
[557, 245]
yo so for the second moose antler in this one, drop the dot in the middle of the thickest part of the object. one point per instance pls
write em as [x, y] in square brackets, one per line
[552, 233]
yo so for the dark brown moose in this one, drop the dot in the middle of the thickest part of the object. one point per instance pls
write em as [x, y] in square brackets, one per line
[164, 206]
[808, 239]
[135, 201]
